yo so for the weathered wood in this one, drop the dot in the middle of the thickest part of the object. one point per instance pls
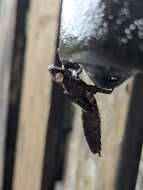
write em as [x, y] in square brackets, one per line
[114, 112]
[71, 169]
[86, 171]
[139, 184]
[15, 91]
[7, 26]
[132, 141]
[42, 32]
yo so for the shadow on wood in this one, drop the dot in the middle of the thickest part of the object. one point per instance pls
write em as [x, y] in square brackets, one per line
[15, 91]
[133, 138]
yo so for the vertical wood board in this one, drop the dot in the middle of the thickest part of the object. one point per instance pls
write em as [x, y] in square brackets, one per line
[35, 105]
[86, 171]
[7, 29]
[139, 184]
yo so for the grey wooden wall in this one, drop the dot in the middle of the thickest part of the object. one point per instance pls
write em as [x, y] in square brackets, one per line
[122, 135]
[35, 103]
[7, 27]
[44, 139]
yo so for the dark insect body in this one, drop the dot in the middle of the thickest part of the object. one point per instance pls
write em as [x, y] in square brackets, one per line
[92, 130]
[83, 95]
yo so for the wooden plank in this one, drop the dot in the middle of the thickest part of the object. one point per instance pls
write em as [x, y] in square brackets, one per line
[15, 91]
[114, 113]
[139, 184]
[7, 26]
[42, 32]
[86, 171]
[71, 168]
[133, 138]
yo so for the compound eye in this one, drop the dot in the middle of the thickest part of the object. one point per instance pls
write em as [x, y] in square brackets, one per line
[59, 77]
[113, 78]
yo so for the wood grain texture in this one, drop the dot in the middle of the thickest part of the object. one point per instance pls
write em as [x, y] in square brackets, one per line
[86, 171]
[7, 26]
[41, 44]
[139, 183]
[133, 140]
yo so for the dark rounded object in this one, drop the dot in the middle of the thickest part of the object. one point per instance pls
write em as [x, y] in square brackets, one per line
[105, 36]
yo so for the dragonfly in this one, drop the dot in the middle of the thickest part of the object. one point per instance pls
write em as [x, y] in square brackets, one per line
[81, 94]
